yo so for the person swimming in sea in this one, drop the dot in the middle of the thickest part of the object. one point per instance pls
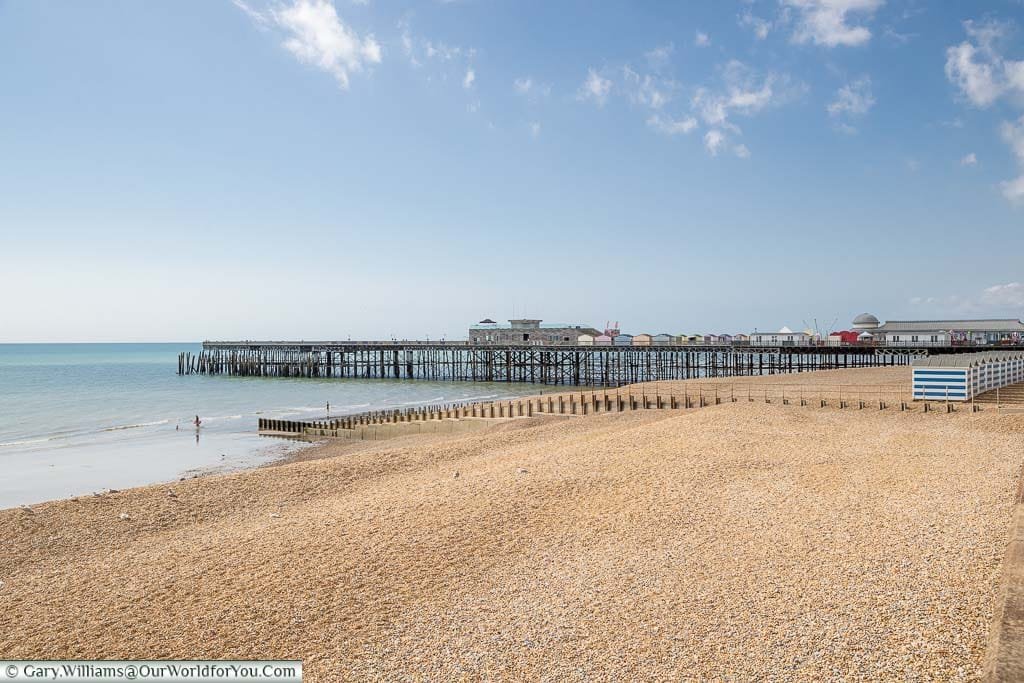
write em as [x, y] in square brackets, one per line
[198, 423]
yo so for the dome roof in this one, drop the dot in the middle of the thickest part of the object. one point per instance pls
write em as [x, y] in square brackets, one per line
[865, 319]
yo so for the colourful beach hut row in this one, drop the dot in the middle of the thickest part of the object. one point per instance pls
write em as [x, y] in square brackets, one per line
[661, 339]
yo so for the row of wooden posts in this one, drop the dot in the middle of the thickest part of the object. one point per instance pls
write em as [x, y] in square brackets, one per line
[860, 397]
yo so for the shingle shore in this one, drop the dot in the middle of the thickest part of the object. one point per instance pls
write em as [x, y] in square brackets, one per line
[736, 542]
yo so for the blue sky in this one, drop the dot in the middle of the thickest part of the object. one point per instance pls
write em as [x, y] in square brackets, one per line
[309, 169]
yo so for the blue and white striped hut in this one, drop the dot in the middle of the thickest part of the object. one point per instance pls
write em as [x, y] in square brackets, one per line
[961, 376]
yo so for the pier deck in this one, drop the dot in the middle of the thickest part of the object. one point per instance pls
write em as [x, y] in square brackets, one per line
[551, 364]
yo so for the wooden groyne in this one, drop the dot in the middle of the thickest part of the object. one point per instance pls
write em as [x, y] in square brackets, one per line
[385, 424]
[551, 365]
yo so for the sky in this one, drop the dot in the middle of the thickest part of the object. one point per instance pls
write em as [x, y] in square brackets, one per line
[309, 169]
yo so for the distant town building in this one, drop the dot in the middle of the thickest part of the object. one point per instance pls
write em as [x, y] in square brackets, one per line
[526, 331]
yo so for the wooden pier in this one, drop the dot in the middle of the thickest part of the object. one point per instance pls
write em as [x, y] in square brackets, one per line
[551, 365]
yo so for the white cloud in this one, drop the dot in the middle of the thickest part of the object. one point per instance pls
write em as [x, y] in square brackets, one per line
[825, 22]
[596, 88]
[408, 45]
[713, 140]
[1014, 189]
[660, 56]
[1010, 295]
[315, 35]
[530, 88]
[743, 91]
[969, 160]
[261, 19]
[1013, 135]
[646, 90]
[977, 68]
[760, 27]
[670, 126]
[535, 129]
[741, 151]
[999, 299]
[702, 39]
[469, 78]
[853, 99]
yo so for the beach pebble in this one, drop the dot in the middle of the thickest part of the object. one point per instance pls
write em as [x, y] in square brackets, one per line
[523, 470]
[455, 476]
[274, 515]
[27, 509]
[123, 516]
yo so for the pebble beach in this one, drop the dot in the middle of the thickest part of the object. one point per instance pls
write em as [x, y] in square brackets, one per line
[743, 541]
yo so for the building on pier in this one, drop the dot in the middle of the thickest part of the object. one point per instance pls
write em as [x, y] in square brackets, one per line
[983, 332]
[784, 337]
[527, 331]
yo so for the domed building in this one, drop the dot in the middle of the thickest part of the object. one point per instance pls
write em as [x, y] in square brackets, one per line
[865, 321]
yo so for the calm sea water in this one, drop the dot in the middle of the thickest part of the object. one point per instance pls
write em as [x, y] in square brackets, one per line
[78, 418]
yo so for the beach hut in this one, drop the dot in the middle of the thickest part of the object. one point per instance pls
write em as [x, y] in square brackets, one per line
[741, 338]
[642, 340]
[959, 377]
[603, 340]
[623, 340]
[695, 339]
[725, 339]
[662, 339]
[710, 339]
[585, 340]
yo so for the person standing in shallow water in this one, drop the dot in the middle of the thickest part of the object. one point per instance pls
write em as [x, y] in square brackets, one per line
[198, 423]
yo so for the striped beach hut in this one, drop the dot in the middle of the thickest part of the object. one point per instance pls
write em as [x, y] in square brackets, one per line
[642, 340]
[585, 340]
[662, 339]
[623, 340]
[603, 340]
[961, 376]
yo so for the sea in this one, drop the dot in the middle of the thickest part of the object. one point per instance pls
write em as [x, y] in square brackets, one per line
[77, 419]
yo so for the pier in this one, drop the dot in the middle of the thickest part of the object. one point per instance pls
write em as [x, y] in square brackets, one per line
[567, 364]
